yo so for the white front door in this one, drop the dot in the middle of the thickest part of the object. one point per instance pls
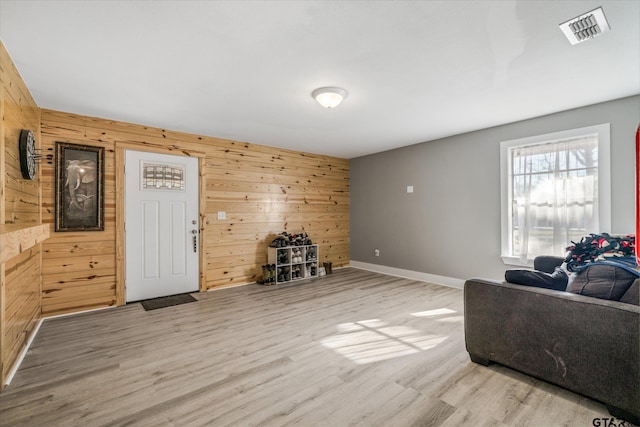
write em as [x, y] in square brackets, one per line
[161, 225]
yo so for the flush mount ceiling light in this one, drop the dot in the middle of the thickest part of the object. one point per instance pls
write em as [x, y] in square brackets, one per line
[586, 26]
[329, 97]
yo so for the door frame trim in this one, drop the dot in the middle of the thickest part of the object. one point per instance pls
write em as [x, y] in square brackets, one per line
[121, 260]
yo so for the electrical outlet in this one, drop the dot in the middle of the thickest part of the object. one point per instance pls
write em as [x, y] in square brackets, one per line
[377, 252]
[222, 215]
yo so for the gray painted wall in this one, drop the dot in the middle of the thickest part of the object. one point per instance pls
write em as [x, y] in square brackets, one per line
[450, 224]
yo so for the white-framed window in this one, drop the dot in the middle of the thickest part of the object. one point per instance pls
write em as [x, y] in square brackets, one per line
[555, 188]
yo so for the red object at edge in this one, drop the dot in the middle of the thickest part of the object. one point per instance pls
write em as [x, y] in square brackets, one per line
[637, 193]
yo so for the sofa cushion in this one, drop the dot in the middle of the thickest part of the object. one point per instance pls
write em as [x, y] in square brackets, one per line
[556, 280]
[602, 281]
[632, 296]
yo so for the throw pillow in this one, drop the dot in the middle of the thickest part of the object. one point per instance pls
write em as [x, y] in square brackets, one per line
[556, 280]
[602, 281]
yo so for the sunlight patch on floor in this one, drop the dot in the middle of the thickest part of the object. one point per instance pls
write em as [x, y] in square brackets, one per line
[441, 315]
[374, 340]
[451, 319]
[433, 313]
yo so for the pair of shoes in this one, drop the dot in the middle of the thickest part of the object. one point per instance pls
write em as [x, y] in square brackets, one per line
[268, 274]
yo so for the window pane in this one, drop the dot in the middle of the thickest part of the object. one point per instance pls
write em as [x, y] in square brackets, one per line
[554, 194]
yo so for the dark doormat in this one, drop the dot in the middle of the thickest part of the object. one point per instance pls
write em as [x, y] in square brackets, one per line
[171, 300]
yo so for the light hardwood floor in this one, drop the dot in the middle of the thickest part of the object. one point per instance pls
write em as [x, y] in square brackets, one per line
[351, 348]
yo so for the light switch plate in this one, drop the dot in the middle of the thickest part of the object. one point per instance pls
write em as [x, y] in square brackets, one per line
[222, 215]
[409, 188]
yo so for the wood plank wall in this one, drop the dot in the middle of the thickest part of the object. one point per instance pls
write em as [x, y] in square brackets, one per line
[20, 286]
[263, 190]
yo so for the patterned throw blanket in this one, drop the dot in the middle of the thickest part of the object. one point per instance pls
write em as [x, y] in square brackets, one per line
[603, 249]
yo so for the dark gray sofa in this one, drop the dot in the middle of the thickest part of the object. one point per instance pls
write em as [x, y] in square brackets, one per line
[588, 345]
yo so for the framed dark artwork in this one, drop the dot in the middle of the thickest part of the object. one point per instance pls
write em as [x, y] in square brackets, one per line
[79, 187]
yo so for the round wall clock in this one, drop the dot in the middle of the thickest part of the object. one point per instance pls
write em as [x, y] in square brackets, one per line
[27, 154]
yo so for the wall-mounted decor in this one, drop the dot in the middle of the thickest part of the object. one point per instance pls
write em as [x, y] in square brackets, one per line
[79, 187]
[28, 156]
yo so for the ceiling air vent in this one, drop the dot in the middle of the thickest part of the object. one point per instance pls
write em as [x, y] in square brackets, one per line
[586, 26]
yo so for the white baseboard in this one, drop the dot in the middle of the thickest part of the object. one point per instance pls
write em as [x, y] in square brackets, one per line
[235, 285]
[23, 353]
[451, 282]
[55, 316]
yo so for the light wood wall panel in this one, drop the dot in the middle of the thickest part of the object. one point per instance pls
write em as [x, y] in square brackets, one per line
[19, 111]
[263, 190]
[20, 280]
[78, 268]
[22, 308]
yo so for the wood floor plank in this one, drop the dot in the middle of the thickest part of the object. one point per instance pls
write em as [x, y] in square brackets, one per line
[350, 348]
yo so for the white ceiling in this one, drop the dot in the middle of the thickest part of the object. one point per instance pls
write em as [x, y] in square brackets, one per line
[244, 70]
